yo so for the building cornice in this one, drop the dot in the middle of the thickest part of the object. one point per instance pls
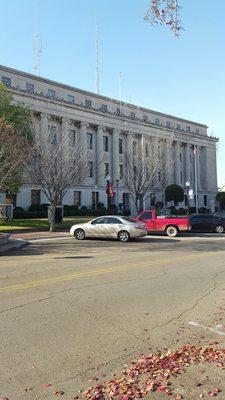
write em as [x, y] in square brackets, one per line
[97, 96]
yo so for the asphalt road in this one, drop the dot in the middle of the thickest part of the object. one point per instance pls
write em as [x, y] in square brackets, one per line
[73, 312]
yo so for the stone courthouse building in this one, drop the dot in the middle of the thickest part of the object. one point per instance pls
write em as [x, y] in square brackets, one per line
[105, 125]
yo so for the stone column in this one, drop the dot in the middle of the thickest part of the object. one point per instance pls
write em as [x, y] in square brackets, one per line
[177, 164]
[44, 125]
[115, 155]
[187, 165]
[198, 150]
[100, 178]
[83, 137]
[65, 129]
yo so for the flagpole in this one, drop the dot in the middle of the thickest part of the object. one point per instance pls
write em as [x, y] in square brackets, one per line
[196, 179]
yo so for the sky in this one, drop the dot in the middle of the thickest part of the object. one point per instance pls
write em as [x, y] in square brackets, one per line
[182, 76]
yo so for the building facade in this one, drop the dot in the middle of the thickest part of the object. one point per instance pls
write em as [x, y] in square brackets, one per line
[106, 125]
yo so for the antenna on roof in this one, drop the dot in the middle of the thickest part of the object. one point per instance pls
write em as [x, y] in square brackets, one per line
[120, 91]
[37, 53]
[97, 61]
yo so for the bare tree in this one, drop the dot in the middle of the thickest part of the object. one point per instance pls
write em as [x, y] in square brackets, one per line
[13, 155]
[165, 12]
[148, 163]
[57, 163]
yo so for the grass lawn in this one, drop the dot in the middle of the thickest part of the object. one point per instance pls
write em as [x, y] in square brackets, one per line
[39, 223]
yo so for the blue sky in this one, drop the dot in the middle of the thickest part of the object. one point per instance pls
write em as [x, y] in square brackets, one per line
[182, 76]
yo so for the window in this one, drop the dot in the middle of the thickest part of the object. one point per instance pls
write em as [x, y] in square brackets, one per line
[180, 157]
[134, 148]
[77, 198]
[29, 87]
[145, 215]
[111, 220]
[181, 177]
[205, 200]
[35, 197]
[51, 93]
[87, 103]
[145, 118]
[71, 98]
[52, 134]
[121, 171]
[106, 167]
[168, 124]
[105, 143]
[104, 107]
[90, 167]
[6, 81]
[159, 176]
[197, 131]
[135, 172]
[90, 141]
[118, 111]
[157, 121]
[120, 146]
[178, 127]
[188, 129]
[100, 220]
[146, 150]
[95, 200]
[72, 137]
[132, 114]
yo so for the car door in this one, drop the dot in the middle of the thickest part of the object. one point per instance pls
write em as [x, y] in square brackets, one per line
[196, 223]
[96, 227]
[147, 218]
[112, 226]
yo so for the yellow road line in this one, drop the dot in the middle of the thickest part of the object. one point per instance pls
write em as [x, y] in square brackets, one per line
[102, 271]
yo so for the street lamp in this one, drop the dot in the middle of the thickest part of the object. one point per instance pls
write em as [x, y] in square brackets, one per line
[96, 187]
[117, 194]
[187, 185]
[108, 184]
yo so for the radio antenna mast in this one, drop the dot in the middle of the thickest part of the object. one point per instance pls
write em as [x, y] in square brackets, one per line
[97, 61]
[37, 54]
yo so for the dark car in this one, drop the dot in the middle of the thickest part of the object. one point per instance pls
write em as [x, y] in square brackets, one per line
[207, 223]
[220, 213]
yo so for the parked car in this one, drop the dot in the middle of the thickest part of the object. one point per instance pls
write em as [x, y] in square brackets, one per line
[171, 225]
[220, 213]
[207, 223]
[110, 226]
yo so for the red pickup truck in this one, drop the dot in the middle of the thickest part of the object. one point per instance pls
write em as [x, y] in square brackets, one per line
[171, 225]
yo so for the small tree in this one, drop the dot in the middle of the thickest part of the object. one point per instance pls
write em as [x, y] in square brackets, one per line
[220, 197]
[15, 140]
[148, 163]
[55, 166]
[174, 193]
[13, 156]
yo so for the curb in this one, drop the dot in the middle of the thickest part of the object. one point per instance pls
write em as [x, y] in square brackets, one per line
[12, 244]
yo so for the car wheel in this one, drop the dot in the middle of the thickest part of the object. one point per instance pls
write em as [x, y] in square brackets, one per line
[219, 229]
[79, 234]
[123, 236]
[171, 231]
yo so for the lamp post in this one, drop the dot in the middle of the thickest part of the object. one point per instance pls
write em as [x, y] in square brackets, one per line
[96, 187]
[117, 195]
[108, 183]
[187, 185]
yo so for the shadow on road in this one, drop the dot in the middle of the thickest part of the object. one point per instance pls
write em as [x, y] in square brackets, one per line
[73, 249]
